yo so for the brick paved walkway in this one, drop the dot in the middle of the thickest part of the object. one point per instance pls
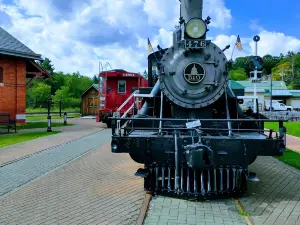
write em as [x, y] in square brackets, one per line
[273, 200]
[169, 211]
[98, 188]
[276, 198]
[83, 127]
[26, 169]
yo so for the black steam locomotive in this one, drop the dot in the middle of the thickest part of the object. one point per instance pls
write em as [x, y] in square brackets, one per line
[190, 133]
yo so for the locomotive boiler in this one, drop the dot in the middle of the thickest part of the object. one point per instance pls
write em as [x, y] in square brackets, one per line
[190, 133]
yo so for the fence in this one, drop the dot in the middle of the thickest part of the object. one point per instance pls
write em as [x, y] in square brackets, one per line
[290, 116]
[56, 107]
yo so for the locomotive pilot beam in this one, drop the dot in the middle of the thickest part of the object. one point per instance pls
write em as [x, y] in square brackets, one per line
[190, 133]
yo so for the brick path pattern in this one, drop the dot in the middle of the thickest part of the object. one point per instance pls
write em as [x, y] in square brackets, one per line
[98, 188]
[276, 198]
[169, 211]
[22, 171]
[83, 127]
[273, 200]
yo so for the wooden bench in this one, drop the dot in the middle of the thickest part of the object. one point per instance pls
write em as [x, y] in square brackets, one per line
[6, 121]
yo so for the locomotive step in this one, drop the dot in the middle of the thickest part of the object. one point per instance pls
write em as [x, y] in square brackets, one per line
[141, 173]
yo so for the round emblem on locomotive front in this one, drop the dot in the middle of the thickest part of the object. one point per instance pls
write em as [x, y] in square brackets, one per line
[194, 73]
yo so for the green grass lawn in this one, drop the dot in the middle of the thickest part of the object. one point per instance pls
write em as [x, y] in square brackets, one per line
[293, 128]
[39, 110]
[11, 139]
[291, 158]
[44, 117]
[34, 125]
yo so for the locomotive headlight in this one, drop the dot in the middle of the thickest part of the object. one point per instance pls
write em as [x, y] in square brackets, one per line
[195, 28]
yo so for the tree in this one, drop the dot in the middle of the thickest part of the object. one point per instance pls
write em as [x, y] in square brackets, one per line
[95, 79]
[282, 69]
[269, 63]
[145, 74]
[47, 66]
[238, 74]
[78, 84]
[240, 62]
[39, 94]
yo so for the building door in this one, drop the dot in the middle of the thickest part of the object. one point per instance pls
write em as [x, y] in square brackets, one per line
[92, 106]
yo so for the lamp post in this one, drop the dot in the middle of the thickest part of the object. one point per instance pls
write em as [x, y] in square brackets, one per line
[49, 117]
[60, 106]
[271, 93]
[65, 118]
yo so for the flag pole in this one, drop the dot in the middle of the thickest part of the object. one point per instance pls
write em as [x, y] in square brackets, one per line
[149, 43]
[233, 50]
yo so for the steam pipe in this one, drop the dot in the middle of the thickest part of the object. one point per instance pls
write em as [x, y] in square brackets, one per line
[154, 92]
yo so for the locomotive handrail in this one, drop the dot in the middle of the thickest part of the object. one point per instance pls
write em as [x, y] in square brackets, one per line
[128, 99]
[217, 120]
[123, 116]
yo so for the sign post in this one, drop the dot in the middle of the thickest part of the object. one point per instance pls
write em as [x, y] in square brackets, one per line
[256, 38]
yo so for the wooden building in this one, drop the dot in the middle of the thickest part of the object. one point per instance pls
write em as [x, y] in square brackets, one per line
[17, 70]
[89, 101]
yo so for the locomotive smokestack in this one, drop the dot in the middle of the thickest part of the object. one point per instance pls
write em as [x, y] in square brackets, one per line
[191, 9]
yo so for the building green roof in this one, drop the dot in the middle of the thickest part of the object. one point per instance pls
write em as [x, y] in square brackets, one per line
[277, 85]
[235, 85]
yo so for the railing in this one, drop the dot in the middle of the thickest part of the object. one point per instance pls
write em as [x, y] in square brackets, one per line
[118, 111]
[279, 115]
[116, 130]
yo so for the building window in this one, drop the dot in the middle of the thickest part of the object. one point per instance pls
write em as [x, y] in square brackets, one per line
[122, 86]
[1, 75]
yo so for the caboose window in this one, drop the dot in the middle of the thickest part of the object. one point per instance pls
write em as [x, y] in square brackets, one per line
[121, 86]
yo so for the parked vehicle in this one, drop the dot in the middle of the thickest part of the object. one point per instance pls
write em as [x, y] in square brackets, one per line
[277, 105]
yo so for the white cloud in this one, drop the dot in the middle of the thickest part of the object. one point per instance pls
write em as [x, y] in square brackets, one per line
[49, 33]
[166, 13]
[274, 43]
[216, 9]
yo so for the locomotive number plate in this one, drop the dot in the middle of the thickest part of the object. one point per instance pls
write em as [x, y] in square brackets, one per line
[195, 44]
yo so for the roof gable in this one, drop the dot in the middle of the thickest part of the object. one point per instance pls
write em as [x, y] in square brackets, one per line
[9, 45]
[95, 86]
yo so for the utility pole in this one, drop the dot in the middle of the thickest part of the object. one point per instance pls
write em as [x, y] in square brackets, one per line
[293, 66]
[271, 93]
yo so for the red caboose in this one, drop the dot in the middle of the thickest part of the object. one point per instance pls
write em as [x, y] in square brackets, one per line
[115, 87]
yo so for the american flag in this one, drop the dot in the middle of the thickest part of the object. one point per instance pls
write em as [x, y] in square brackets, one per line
[150, 49]
[238, 43]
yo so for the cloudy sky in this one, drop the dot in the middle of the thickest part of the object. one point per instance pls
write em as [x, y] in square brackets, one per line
[78, 34]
